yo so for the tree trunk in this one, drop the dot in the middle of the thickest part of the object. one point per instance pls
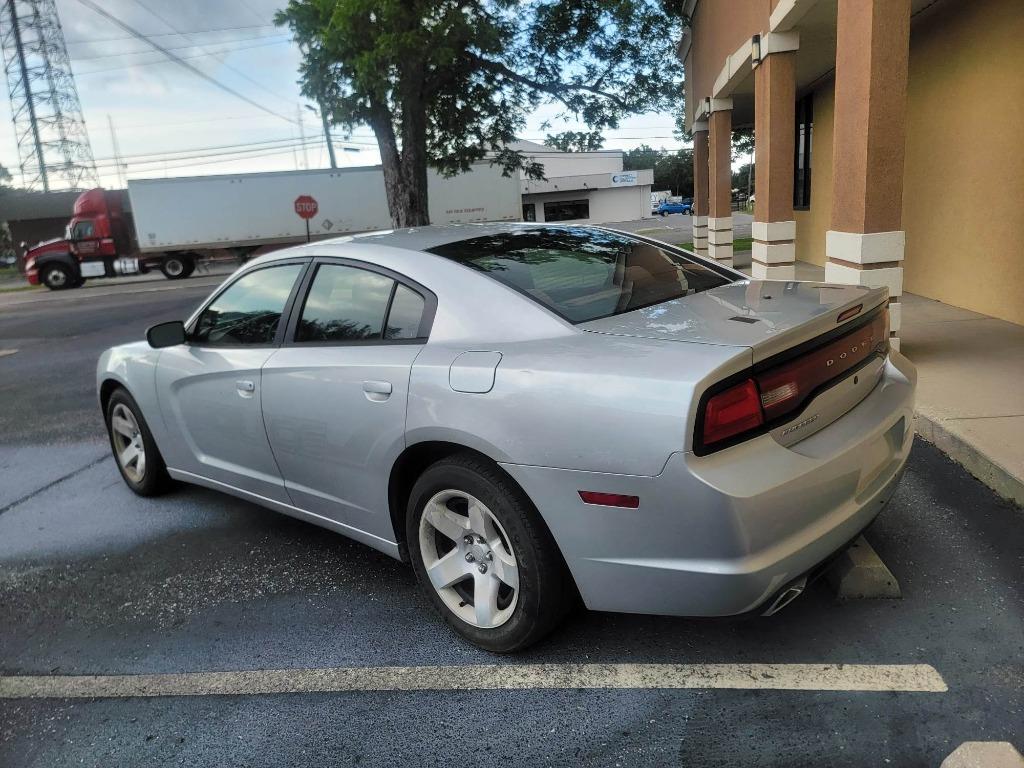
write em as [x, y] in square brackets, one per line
[405, 173]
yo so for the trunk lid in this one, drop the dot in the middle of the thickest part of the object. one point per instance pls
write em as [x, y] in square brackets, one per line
[769, 316]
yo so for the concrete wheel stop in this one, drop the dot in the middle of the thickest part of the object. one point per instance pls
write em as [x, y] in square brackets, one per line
[859, 573]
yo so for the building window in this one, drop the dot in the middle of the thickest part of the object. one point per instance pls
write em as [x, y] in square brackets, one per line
[567, 210]
[802, 156]
[529, 212]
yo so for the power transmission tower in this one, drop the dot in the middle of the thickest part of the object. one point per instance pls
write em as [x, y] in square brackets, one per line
[53, 146]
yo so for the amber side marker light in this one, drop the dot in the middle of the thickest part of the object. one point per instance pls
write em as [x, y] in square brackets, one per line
[846, 314]
[610, 499]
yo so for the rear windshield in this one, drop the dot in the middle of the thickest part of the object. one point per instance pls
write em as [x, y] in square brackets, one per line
[584, 274]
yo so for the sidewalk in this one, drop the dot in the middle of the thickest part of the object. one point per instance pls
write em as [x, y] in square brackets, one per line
[970, 392]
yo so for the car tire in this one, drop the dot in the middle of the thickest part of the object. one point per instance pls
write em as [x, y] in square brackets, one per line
[175, 267]
[59, 277]
[514, 543]
[127, 427]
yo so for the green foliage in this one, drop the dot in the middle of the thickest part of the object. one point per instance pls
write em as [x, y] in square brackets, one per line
[5, 177]
[739, 177]
[575, 141]
[445, 83]
[742, 143]
[672, 170]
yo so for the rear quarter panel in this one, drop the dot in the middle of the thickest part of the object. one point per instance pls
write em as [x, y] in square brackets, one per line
[583, 401]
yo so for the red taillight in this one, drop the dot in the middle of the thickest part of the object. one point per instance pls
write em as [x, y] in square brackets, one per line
[775, 394]
[610, 499]
[733, 411]
[787, 386]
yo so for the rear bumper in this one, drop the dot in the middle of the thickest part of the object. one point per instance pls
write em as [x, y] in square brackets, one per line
[721, 534]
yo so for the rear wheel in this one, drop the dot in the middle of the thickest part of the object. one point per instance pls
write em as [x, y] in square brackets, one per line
[484, 557]
[176, 267]
[58, 277]
[135, 451]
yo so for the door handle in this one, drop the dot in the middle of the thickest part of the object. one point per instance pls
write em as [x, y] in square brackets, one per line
[378, 391]
[245, 388]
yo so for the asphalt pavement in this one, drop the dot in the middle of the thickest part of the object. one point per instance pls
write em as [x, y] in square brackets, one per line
[96, 581]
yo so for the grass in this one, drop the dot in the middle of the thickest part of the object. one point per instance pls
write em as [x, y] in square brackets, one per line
[738, 245]
[23, 287]
[12, 280]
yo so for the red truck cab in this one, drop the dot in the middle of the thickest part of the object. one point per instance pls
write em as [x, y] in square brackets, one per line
[97, 243]
[97, 225]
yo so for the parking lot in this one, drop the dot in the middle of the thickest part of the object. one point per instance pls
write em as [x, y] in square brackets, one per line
[340, 660]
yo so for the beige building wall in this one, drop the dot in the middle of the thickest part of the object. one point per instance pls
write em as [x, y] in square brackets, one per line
[812, 223]
[963, 190]
[963, 183]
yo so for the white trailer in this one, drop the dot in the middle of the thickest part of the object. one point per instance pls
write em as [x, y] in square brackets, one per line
[246, 211]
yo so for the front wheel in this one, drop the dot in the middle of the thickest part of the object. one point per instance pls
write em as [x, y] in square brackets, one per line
[135, 451]
[484, 557]
[58, 277]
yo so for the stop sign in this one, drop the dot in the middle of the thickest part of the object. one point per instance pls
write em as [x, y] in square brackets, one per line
[306, 206]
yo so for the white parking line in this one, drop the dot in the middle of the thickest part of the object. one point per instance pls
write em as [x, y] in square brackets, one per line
[780, 677]
[6, 352]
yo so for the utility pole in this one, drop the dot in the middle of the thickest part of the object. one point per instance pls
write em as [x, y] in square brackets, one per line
[327, 131]
[302, 137]
[327, 135]
[750, 168]
[117, 152]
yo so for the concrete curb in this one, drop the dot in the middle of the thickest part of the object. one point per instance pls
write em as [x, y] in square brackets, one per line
[995, 476]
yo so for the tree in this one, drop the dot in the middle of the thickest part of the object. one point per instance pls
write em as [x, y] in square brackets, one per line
[675, 172]
[575, 141]
[672, 170]
[641, 158]
[443, 84]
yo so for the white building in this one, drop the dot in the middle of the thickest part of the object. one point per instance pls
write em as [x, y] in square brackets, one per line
[583, 187]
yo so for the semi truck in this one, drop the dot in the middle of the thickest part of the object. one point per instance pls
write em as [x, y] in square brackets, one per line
[178, 223]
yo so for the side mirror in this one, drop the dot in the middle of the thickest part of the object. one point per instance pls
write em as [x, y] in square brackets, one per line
[168, 334]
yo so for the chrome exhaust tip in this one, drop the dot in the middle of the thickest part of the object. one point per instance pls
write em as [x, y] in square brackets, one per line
[786, 596]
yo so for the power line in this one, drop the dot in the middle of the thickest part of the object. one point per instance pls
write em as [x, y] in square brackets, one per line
[174, 57]
[195, 150]
[208, 31]
[238, 72]
[178, 47]
[132, 65]
[188, 160]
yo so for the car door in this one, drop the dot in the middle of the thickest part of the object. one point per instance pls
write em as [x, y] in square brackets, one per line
[335, 393]
[210, 390]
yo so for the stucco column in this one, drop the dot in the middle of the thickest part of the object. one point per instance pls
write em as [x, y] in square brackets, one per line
[773, 253]
[700, 188]
[865, 243]
[720, 180]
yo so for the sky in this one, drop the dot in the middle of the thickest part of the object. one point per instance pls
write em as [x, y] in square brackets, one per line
[168, 120]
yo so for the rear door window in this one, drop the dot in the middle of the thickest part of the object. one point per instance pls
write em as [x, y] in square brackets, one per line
[584, 274]
[347, 304]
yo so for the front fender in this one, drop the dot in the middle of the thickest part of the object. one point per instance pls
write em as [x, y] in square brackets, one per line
[133, 366]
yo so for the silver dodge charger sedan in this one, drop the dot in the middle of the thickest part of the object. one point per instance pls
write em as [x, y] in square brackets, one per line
[532, 415]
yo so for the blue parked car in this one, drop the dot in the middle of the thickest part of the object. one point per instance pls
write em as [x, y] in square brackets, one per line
[666, 207]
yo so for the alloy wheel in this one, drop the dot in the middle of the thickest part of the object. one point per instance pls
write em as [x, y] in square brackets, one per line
[129, 446]
[468, 558]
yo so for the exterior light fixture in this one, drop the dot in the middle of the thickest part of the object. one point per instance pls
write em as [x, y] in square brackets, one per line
[755, 50]
[707, 106]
